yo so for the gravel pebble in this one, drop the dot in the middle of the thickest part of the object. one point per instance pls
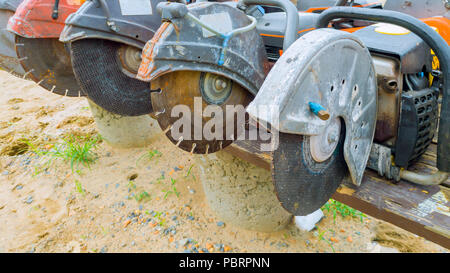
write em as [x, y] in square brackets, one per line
[183, 242]
[29, 199]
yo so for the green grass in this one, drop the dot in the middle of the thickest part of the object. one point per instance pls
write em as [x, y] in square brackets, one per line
[190, 173]
[142, 196]
[159, 216]
[79, 188]
[321, 236]
[336, 208]
[149, 156]
[171, 189]
[76, 150]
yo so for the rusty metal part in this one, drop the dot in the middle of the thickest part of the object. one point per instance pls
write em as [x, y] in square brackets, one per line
[130, 59]
[186, 90]
[390, 85]
[302, 184]
[47, 62]
[98, 66]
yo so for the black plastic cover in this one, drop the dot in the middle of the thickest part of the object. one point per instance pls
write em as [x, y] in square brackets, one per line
[413, 53]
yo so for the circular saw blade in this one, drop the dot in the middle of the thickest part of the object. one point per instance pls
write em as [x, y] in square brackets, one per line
[302, 184]
[186, 88]
[98, 69]
[47, 62]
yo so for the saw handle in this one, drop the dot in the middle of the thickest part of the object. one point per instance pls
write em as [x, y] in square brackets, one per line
[55, 10]
[432, 39]
[290, 31]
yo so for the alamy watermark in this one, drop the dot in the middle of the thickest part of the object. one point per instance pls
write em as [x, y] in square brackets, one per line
[230, 122]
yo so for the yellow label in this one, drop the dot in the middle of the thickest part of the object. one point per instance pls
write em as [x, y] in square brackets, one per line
[390, 29]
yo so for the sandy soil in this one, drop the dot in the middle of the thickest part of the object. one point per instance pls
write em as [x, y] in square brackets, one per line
[48, 211]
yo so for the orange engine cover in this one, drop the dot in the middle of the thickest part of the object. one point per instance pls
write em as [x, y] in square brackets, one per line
[33, 18]
[442, 25]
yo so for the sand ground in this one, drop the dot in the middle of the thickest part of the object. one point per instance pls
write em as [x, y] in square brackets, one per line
[104, 209]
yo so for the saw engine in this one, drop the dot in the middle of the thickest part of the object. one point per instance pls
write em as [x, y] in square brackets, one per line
[407, 111]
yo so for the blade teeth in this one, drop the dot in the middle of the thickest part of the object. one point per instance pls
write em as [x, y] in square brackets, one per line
[26, 73]
[79, 93]
[159, 113]
[23, 59]
[53, 88]
[193, 147]
[39, 83]
[179, 141]
[168, 128]
[19, 44]
[207, 148]
[220, 145]
[67, 91]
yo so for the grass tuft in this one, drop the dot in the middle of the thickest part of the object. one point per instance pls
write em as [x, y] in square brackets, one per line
[336, 207]
[77, 150]
[149, 156]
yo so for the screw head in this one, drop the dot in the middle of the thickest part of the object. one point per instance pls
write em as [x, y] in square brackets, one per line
[220, 84]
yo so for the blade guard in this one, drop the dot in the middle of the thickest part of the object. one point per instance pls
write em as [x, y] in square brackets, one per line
[182, 44]
[33, 18]
[284, 88]
[133, 24]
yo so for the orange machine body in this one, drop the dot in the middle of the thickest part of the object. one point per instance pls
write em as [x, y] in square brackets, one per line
[441, 24]
[33, 18]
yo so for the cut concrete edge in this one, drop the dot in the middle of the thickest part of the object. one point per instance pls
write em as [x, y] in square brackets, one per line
[124, 131]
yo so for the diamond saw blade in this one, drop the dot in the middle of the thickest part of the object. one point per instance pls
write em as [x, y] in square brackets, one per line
[47, 62]
[185, 97]
[302, 183]
[106, 72]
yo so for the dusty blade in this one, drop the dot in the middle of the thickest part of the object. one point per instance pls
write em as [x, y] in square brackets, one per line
[98, 66]
[186, 87]
[8, 57]
[47, 62]
[302, 184]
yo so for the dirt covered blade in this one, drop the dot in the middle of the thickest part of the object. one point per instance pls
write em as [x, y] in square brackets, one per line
[106, 72]
[192, 92]
[302, 184]
[47, 62]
